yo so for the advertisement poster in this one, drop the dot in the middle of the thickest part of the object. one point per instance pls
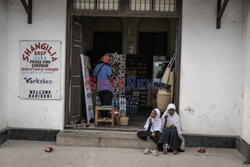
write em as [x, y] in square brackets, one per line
[88, 92]
[40, 69]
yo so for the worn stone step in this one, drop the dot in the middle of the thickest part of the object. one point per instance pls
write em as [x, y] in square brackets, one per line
[97, 138]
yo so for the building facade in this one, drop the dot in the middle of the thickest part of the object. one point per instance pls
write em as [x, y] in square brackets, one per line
[214, 67]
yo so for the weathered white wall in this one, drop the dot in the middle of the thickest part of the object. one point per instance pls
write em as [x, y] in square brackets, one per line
[3, 62]
[212, 69]
[49, 23]
[246, 39]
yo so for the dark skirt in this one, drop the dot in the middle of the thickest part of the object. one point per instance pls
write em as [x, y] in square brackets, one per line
[144, 135]
[170, 136]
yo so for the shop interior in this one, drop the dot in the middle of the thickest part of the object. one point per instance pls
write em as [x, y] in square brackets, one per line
[148, 46]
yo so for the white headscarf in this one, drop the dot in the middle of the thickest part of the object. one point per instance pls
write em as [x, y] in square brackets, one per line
[156, 122]
[172, 119]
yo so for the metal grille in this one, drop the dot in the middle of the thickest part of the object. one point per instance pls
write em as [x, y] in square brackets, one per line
[111, 5]
[140, 5]
[108, 4]
[153, 5]
[164, 5]
[84, 4]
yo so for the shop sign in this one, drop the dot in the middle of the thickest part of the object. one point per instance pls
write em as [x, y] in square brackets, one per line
[40, 69]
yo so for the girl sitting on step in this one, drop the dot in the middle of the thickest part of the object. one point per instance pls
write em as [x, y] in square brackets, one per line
[153, 130]
[171, 130]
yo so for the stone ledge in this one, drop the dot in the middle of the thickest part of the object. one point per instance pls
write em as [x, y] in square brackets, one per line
[210, 141]
[94, 138]
[4, 135]
[244, 148]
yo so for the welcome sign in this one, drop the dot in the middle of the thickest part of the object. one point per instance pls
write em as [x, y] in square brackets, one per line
[40, 69]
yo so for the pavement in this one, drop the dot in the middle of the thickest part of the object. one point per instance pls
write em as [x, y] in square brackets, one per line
[19, 153]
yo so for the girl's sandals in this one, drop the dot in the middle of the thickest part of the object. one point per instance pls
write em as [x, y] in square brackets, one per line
[146, 151]
[175, 152]
[154, 152]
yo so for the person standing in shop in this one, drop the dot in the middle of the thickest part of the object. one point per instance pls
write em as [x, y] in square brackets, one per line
[103, 73]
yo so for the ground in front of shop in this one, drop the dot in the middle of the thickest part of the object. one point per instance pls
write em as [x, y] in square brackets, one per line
[31, 153]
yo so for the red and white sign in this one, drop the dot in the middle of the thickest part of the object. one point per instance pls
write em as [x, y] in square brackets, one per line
[40, 69]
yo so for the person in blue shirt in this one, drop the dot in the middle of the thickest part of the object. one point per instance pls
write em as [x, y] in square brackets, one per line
[103, 73]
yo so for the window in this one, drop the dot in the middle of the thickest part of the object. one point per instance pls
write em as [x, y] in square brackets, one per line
[140, 5]
[108, 4]
[111, 5]
[134, 5]
[164, 5]
[84, 4]
[153, 5]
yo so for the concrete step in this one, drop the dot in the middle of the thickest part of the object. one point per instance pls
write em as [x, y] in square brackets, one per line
[97, 138]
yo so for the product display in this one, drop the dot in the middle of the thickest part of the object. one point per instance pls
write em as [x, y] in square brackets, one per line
[118, 66]
[133, 102]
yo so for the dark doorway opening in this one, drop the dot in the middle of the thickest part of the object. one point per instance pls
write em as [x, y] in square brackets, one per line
[147, 42]
[152, 44]
[104, 42]
[107, 42]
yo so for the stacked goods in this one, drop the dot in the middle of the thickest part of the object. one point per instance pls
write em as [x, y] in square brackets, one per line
[165, 96]
[137, 68]
[133, 98]
[163, 99]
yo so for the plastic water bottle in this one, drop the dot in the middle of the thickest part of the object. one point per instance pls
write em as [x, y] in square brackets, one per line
[97, 101]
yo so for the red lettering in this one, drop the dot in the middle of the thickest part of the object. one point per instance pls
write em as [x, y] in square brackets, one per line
[120, 83]
[47, 47]
[109, 84]
[27, 52]
[26, 58]
[54, 59]
[43, 46]
[53, 54]
[100, 84]
[31, 48]
[91, 83]
[38, 45]
[49, 50]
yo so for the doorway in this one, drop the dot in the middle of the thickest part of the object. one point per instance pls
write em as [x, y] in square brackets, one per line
[145, 44]
[107, 42]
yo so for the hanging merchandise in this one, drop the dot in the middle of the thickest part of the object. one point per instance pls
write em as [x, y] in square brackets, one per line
[118, 66]
[166, 76]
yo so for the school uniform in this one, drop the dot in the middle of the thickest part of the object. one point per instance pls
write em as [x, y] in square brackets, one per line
[154, 127]
[170, 136]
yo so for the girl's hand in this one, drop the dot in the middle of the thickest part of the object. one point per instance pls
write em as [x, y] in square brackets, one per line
[171, 126]
[153, 134]
[150, 120]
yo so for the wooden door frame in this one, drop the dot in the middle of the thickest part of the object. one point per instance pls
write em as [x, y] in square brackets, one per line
[71, 14]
